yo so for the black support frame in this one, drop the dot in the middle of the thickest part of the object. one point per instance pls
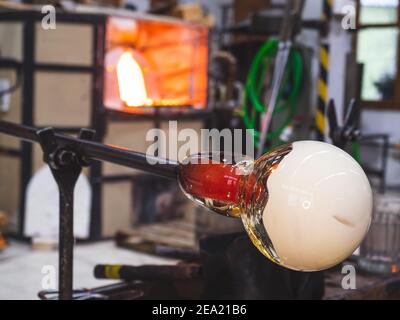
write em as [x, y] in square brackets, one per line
[29, 18]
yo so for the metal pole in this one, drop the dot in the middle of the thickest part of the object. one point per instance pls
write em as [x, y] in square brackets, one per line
[65, 167]
[293, 10]
[98, 151]
[66, 244]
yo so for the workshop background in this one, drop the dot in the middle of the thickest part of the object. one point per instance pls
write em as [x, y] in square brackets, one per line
[204, 64]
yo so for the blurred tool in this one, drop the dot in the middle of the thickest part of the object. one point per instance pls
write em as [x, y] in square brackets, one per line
[290, 24]
[287, 99]
[349, 131]
[182, 271]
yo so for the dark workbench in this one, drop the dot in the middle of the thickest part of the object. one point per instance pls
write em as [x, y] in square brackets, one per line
[368, 286]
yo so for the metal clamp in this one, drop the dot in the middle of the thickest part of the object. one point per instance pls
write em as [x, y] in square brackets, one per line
[66, 164]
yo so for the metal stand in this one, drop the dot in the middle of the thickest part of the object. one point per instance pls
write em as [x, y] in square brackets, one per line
[66, 156]
[66, 165]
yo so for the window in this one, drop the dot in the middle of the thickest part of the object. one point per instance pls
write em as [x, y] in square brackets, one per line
[378, 50]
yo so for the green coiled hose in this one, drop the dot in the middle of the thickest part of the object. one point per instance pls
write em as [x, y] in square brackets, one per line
[253, 105]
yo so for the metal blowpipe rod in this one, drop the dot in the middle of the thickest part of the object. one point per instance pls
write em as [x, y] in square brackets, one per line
[98, 151]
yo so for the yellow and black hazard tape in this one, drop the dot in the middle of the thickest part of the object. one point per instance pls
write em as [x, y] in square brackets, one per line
[108, 271]
[320, 116]
[322, 91]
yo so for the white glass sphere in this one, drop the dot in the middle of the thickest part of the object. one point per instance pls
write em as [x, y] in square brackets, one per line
[319, 207]
[306, 205]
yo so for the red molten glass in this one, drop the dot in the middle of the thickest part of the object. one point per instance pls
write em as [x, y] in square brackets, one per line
[217, 181]
[219, 185]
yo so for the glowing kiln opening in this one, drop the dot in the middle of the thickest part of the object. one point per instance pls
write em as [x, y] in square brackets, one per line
[131, 84]
[152, 62]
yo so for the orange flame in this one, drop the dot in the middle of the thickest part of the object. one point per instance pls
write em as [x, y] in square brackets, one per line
[131, 83]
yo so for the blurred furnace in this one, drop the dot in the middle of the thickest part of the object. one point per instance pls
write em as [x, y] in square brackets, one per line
[115, 71]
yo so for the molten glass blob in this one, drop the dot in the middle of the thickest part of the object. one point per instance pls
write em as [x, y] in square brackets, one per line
[306, 206]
